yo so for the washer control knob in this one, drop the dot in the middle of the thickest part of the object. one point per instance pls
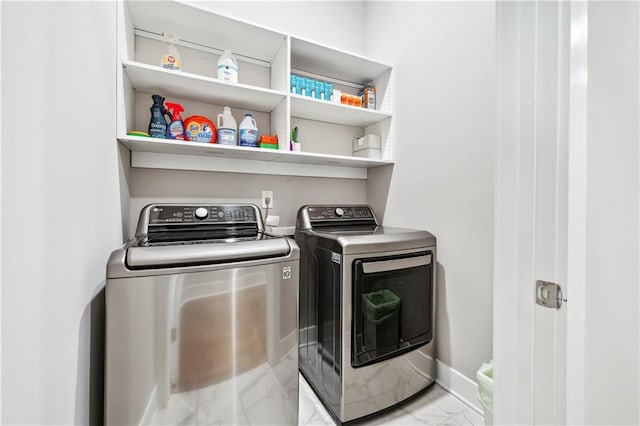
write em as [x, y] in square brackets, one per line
[339, 212]
[202, 213]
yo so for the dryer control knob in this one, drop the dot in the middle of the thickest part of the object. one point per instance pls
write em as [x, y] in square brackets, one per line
[202, 213]
[339, 212]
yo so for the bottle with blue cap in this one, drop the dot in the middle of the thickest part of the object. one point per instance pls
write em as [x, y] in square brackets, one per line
[248, 131]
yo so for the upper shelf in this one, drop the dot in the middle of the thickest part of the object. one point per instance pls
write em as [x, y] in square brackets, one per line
[195, 23]
[314, 109]
[334, 63]
[153, 79]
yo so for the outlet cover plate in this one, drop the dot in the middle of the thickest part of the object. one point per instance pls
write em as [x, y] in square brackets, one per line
[265, 195]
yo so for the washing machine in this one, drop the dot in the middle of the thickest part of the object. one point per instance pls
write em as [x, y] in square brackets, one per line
[202, 320]
[367, 310]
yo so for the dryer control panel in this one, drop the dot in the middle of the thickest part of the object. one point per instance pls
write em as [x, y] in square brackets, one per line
[166, 214]
[338, 212]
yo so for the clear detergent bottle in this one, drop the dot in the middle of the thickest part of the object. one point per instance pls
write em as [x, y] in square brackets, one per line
[171, 59]
[248, 131]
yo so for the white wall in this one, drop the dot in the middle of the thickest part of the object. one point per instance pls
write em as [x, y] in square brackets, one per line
[612, 373]
[60, 203]
[289, 192]
[335, 23]
[444, 112]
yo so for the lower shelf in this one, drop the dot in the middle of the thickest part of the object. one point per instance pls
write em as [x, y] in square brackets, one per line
[181, 155]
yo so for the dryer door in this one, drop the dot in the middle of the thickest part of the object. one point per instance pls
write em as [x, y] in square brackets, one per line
[392, 305]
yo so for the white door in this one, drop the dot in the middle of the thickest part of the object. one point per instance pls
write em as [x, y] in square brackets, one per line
[568, 211]
[542, 61]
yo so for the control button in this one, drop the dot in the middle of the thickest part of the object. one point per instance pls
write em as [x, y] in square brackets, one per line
[220, 214]
[339, 212]
[202, 213]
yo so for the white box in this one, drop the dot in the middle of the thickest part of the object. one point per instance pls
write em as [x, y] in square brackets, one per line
[371, 153]
[367, 141]
[281, 231]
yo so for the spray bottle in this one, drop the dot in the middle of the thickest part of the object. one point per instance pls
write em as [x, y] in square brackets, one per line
[157, 123]
[175, 129]
[171, 59]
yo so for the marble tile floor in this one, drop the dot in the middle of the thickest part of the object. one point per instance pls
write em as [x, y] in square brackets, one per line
[434, 407]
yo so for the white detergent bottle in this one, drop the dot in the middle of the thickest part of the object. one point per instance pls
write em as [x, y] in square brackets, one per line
[227, 128]
[227, 67]
[248, 131]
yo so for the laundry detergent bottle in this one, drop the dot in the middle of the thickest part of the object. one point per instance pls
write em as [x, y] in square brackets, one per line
[175, 129]
[248, 131]
[227, 67]
[158, 123]
[227, 128]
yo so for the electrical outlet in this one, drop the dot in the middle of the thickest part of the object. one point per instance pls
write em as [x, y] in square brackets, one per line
[265, 195]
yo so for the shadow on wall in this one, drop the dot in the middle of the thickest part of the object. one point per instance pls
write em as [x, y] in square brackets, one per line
[124, 173]
[91, 357]
[443, 339]
[378, 183]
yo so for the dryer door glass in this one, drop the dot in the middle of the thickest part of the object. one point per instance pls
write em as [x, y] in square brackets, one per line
[392, 306]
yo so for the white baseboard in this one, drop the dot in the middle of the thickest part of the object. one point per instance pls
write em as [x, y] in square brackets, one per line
[459, 385]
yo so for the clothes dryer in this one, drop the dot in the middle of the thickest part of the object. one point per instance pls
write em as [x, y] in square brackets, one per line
[367, 309]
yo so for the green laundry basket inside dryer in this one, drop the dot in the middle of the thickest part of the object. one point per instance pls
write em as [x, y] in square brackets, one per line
[381, 311]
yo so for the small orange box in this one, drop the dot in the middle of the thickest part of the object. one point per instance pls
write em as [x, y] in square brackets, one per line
[269, 139]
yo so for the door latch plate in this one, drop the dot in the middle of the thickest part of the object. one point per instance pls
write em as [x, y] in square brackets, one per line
[549, 294]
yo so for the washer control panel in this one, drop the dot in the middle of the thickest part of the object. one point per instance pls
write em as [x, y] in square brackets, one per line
[339, 213]
[198, 214]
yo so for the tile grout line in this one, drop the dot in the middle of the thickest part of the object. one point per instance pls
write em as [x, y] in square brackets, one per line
[451, 417]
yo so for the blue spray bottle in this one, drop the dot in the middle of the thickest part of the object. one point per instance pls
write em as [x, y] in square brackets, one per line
[175, 130]
[158, 124]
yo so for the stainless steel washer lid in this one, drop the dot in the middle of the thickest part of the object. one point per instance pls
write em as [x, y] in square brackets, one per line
[197, 254]
[197, 237]
[161, 260]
